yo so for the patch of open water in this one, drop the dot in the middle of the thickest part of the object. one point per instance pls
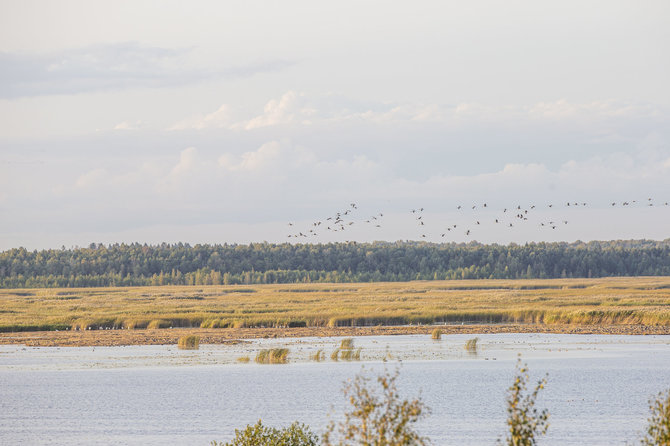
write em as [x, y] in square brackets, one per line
[597, 391]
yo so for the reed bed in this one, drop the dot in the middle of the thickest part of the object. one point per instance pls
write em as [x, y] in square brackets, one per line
[346, 351]
[471, 345]
[188, 343]
[318, 356]
[272, 356]
[627, 301]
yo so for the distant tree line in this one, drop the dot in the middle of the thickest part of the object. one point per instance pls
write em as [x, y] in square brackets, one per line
[258, 263]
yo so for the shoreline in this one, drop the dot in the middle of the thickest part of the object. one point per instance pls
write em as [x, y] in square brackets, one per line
[113, 338]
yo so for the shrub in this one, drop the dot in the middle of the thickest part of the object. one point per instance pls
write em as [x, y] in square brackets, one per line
[258, 435]
[188, 343]
[658, 429]
[525, 422]
[378, 415]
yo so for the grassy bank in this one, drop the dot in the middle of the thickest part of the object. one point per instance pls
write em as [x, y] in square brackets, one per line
[626, 301]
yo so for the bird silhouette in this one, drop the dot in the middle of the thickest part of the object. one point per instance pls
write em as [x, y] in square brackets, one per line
[346, 218]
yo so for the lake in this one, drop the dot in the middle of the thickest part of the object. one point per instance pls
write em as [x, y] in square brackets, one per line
[597, 392]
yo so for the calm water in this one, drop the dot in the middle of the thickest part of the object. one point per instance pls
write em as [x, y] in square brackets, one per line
[597, 392]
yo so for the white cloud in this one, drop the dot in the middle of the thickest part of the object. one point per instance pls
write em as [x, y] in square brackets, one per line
[127, 125]
[282, 170]
[286, 110]
[272, 164]
[282, 181]
[188, 160]
[296, 108]
[220, 118]
[398, 113]
[267, 156]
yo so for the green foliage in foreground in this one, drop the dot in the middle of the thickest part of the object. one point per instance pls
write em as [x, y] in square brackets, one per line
[258, 435]
[658, 428]
[379, 417]
[526, 423]
[267, 263]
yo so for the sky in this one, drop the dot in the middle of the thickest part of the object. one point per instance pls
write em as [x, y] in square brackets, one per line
[237, 122]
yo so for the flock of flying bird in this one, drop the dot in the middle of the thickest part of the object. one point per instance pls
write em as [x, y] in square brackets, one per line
[508, 217]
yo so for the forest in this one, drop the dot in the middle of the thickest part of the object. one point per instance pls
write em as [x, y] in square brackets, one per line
[265, 263]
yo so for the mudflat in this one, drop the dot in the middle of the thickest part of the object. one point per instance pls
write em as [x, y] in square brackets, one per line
[110, 338]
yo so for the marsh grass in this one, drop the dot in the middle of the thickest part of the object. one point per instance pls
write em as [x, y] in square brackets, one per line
[335, 356]
[471, 345]
[436, 334]
[189, 343]
[351, 354]
[159, 323]
[625, 301]
[272, 356]
[346, 351]
[318, 356]
[243, 359]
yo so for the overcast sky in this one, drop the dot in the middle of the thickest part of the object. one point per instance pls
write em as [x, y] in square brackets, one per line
[223, 122]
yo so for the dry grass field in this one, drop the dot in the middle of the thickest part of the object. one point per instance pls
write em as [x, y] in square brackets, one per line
[611, 301]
